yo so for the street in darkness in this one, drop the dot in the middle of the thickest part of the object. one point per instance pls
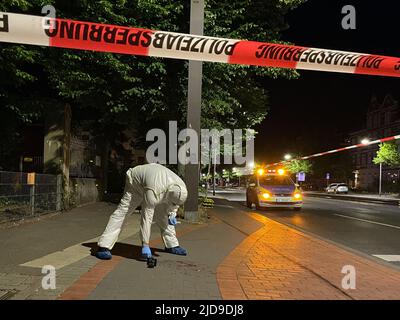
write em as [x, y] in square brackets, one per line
[199, 159]
[366, 227]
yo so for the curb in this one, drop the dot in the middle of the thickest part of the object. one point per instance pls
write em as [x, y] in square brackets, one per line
[391, 202]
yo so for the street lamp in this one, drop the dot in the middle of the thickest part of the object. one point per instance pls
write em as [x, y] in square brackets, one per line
[365, 141]
[287, 157]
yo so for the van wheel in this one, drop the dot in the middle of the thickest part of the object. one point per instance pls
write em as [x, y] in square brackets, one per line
[297, 209]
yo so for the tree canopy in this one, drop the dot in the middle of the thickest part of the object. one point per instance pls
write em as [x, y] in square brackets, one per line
[297, 165]
[125, 90]
[388, 154]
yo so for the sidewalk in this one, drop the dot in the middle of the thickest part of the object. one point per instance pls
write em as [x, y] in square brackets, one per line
[238, 254]
[390, 196]
[370, 198]
[278, 262]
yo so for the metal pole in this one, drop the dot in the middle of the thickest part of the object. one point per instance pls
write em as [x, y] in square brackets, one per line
[380, 178]
[59, 193]
[194, 112]
[32, 194]
[214, 171]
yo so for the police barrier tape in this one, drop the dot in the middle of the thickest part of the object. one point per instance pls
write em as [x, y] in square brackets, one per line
[359, 145]
[29, 29]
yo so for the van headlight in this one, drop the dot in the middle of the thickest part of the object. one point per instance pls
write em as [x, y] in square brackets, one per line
[266, 195]
[297, 196]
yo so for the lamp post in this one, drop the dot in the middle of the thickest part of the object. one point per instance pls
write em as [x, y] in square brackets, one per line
[287, 157]
[380, 178]
[365, 141]
[214, 172]
[194, 111]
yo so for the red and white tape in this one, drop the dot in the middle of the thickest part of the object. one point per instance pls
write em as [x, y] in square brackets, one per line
[360, 145]
[28, 29]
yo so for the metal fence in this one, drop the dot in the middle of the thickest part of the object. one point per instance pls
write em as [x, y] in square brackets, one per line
[23, 195]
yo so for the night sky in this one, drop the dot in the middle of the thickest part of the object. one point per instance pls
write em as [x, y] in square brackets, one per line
[317, 111]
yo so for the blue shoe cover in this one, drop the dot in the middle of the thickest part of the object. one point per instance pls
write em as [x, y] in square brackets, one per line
[103, 254]
[146, 252]
[177, 250]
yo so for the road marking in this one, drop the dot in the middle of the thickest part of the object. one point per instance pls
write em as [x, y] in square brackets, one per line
[388, 257]
[364, 210]
[60, 259]
[369, 221]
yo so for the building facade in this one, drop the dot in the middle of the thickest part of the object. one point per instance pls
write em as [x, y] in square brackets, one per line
[383, 120]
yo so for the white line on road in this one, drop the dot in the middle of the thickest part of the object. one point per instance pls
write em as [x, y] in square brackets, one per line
[369, 221]
[388, 257]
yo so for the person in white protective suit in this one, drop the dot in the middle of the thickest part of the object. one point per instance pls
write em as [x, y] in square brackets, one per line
[159, 192]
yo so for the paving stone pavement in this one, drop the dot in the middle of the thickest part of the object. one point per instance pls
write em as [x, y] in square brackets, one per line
[18, 282]
[175, 277]
[235, 255]
[278, 262]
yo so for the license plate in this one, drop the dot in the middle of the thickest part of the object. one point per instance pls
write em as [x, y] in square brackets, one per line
[283, 199]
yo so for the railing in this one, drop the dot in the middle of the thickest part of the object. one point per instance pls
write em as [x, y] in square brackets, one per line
[24, 196]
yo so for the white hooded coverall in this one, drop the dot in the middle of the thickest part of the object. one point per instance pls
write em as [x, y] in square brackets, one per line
[159, 192]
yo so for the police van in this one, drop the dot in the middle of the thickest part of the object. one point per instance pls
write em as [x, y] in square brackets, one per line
[273, 189]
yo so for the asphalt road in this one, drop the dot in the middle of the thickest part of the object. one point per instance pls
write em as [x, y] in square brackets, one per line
[372, 229]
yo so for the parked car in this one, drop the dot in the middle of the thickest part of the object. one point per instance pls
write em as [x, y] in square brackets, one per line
[273, 190]
[331, 188]
[338, 188]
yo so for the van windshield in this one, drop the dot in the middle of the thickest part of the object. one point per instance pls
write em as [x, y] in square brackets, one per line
[276, 181]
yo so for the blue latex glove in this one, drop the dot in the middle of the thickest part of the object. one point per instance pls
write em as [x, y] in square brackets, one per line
[172, 218]
[172, 221]
[146, 252]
